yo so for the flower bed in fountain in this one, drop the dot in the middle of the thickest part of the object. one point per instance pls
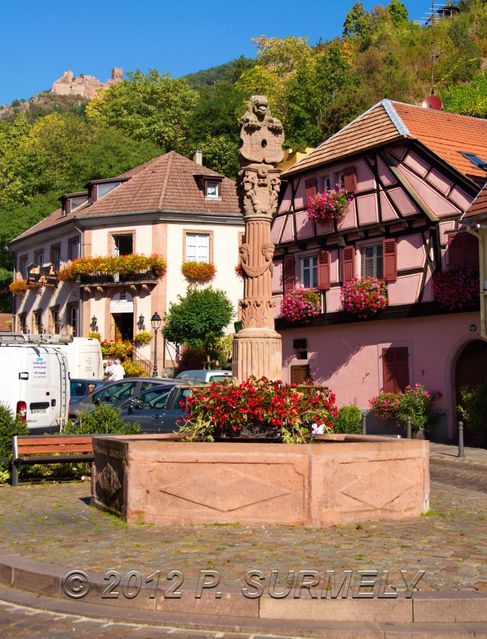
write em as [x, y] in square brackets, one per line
[121, 264]
[414, 403]
[259, 407]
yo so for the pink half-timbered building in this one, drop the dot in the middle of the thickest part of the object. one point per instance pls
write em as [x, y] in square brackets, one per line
[412, 173]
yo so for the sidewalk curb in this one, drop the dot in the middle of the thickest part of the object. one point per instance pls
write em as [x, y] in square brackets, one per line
[47, 580]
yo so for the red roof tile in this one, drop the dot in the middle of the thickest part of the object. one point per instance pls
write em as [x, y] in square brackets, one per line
[169, 183]
[479, 205]
[446, 134]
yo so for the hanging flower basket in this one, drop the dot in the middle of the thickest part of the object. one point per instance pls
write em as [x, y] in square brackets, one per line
[457, 289]
[118, 348]
[198, 272]
[18, 287]
[364, 297]
[329, 205]
[300, 304]
[118, 264]
[142, 338]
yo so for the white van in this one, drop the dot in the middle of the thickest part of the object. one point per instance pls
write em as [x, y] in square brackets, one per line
[34, 383]
[85, 359]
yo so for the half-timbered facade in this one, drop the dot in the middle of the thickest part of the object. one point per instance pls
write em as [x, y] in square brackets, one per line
[411, 173]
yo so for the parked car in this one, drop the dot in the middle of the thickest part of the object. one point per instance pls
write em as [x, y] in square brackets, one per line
[117, 392]
[158, 409]
[81, 388]
[202, 376]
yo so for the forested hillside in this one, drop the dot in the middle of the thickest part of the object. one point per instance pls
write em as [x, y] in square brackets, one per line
[51, 147]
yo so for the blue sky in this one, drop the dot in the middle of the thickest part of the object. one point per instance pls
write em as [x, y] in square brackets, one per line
[39, 39]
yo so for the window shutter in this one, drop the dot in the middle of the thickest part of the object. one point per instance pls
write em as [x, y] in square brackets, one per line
[350, 179]
[348, 256]
[288, 273]
[324, 270]
[456, 250]
[310, 188]
[471, 252]
[390, 260]
[395, 368]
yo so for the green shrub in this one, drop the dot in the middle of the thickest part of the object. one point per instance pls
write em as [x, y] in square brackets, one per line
[473, 408]
[104, 419]
[9, 426]
[349, 420]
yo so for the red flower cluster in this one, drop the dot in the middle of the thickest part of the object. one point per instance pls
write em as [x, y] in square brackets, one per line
[300, 304]
[457, 289]
[277, 408]
[123, 264]
[329, 205]
[198, 272]
[364, 297]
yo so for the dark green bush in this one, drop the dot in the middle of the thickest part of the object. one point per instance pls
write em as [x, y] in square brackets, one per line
[104, 419]
[349, 420]
[9, 426]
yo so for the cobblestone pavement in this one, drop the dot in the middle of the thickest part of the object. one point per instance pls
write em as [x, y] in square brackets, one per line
[54, 523]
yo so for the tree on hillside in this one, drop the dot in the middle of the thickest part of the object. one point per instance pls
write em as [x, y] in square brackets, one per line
[398, 12]
[149, 106]
[198, 319]
[357, 22]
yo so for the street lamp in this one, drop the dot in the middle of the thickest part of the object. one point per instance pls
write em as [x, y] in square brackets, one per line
[156, 322]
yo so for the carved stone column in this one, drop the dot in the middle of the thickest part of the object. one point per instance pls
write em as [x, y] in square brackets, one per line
[257, 347]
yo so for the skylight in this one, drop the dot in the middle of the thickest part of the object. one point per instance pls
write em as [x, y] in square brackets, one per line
[475, 160]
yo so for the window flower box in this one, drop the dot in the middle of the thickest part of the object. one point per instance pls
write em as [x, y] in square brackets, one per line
[18, 287]
[457, 289]
[121, 265]
[198, 272]
[364, 297]
[328, 206]
[300, 304]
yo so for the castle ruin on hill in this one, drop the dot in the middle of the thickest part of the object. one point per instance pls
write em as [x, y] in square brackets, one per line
[84, 86]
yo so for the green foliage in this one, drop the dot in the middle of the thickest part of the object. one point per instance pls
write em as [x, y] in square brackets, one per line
[349, 420]
[149, 106]
[473, 408]
[104, 419]
[357, 22]
[468, 99]
[199, 318]
[9, 426]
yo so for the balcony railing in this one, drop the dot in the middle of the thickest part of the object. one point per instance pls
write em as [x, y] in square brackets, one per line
[115, 279]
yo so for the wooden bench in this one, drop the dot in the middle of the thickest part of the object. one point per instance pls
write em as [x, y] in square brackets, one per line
[49, 449]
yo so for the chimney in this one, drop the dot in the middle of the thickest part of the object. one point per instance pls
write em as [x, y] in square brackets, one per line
[198, 157]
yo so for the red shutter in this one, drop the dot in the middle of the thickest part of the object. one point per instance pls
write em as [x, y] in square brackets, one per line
[348, 267]
[288, 273]
[309, 189]
[350, 179]
[471, 252]
[390, 260]
[463, 251]
[395, 368]
[324, 270]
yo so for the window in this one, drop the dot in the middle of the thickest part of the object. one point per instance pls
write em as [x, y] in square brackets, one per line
[72, 322]
[123, 244]
[22, 268]
[37, 327]
[73, 248]
[463, 251]
[39, 257]
[56, 255]
[395, 369]
[212, 189]
[372, 261]
[197, 247]
[54, 320]
[475, 160]
[309, 271]
[103, 189]
[327, 183]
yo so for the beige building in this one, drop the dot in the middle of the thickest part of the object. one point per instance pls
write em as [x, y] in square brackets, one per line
[170, 207]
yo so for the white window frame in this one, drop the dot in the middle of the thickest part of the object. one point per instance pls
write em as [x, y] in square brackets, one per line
[199, 250]
[308, 267]
[363, 259]
[213, 184]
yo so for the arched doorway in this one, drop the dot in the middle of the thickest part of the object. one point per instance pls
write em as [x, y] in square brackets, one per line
[471, 370]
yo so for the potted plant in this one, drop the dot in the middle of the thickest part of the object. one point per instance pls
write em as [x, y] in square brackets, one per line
[300, 304]
[258, 409]
[142, 338]
[364, 297]
[113, 265]
[414, 404]
[472, 409]
[198, 272]
[329, 205]
[18, 287]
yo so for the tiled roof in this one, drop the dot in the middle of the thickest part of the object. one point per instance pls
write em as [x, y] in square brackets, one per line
[446, 134]
[479, 205]
[168, 183]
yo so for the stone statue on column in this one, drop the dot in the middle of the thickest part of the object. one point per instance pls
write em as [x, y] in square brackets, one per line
[257, 347]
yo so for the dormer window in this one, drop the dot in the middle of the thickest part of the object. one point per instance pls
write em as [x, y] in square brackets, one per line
[72, 201]
[100, 188]
[212, 189]
[103, 189]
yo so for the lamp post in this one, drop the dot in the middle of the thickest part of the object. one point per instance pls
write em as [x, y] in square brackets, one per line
[156, 322]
